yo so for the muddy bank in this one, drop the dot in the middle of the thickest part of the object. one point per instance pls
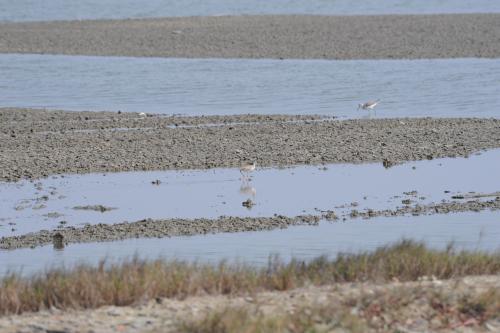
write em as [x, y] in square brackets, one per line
[149, 228]
[304, 36]
[440, 208]
[152, 229]
[21, 120]
[29, 148]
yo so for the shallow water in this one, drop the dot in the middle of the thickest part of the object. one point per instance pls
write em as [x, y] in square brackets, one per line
[407, 88]
[212, 193]
[466, 230]
[36, 10]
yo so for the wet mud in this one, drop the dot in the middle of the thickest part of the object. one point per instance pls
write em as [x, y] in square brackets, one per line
[37, 145]
[149, 228]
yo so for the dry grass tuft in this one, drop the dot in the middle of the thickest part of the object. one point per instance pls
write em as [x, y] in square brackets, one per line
[389, 311]
[135, 281]
[312, 319]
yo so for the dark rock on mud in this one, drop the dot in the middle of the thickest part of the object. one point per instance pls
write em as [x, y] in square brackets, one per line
[97, 208]
[53, 215]
[329, 215]
[387, 163]
[248, 203]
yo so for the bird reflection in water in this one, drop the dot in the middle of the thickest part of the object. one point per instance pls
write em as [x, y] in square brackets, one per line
[247, 189]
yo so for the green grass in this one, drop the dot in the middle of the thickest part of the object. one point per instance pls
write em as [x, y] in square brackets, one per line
[135, 280]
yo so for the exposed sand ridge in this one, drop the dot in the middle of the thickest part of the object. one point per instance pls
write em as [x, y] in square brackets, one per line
[267, 36]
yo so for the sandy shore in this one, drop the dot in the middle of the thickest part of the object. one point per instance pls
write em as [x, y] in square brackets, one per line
[29, 148]
[305, 36]
[149, 228]
[424, 306]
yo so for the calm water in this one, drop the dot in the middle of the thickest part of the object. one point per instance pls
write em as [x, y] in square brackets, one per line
[36, 10]
[467, 231]
[413, 88]
[290, 192]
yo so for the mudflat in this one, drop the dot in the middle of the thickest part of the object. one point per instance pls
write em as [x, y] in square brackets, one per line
[149, 228]
[31, 148]
[267, 36]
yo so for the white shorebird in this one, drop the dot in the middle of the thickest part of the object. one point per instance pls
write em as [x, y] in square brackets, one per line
[368, 105]
[247, 168]
[143, 115]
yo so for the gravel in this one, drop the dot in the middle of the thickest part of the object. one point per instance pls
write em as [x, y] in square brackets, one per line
[31, 147]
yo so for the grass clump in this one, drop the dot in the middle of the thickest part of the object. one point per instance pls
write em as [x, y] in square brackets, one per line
[397, 310]
[136, 280]
[315, 319]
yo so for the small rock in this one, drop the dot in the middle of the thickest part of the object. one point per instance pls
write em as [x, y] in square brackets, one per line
[330, 216]
[248, 203]
[58, 241]
[98, 208]
[387, 163]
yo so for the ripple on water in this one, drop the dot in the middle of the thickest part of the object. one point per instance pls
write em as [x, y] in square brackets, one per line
[470, 231]
[407, 88]
[132, 196]
[35, 10]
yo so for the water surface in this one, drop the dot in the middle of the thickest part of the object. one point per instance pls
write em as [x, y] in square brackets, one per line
[470, 231]
[36, 10]
[407, 88]
[44, 204]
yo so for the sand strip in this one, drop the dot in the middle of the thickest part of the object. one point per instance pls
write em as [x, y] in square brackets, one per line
[304, 36]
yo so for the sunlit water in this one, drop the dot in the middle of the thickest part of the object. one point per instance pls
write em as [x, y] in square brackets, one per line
[43, 204]
[407, 88]
[470, 231]
[36, 10]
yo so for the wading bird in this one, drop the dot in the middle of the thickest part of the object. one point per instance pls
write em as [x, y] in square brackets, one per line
[368, 105]
[247, 168]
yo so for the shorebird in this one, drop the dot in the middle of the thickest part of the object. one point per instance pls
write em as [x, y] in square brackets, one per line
[142, 114]
[368, 105]
[247, 168]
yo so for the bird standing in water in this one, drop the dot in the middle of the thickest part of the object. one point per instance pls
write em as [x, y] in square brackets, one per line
[247, 168]
[368, 105]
